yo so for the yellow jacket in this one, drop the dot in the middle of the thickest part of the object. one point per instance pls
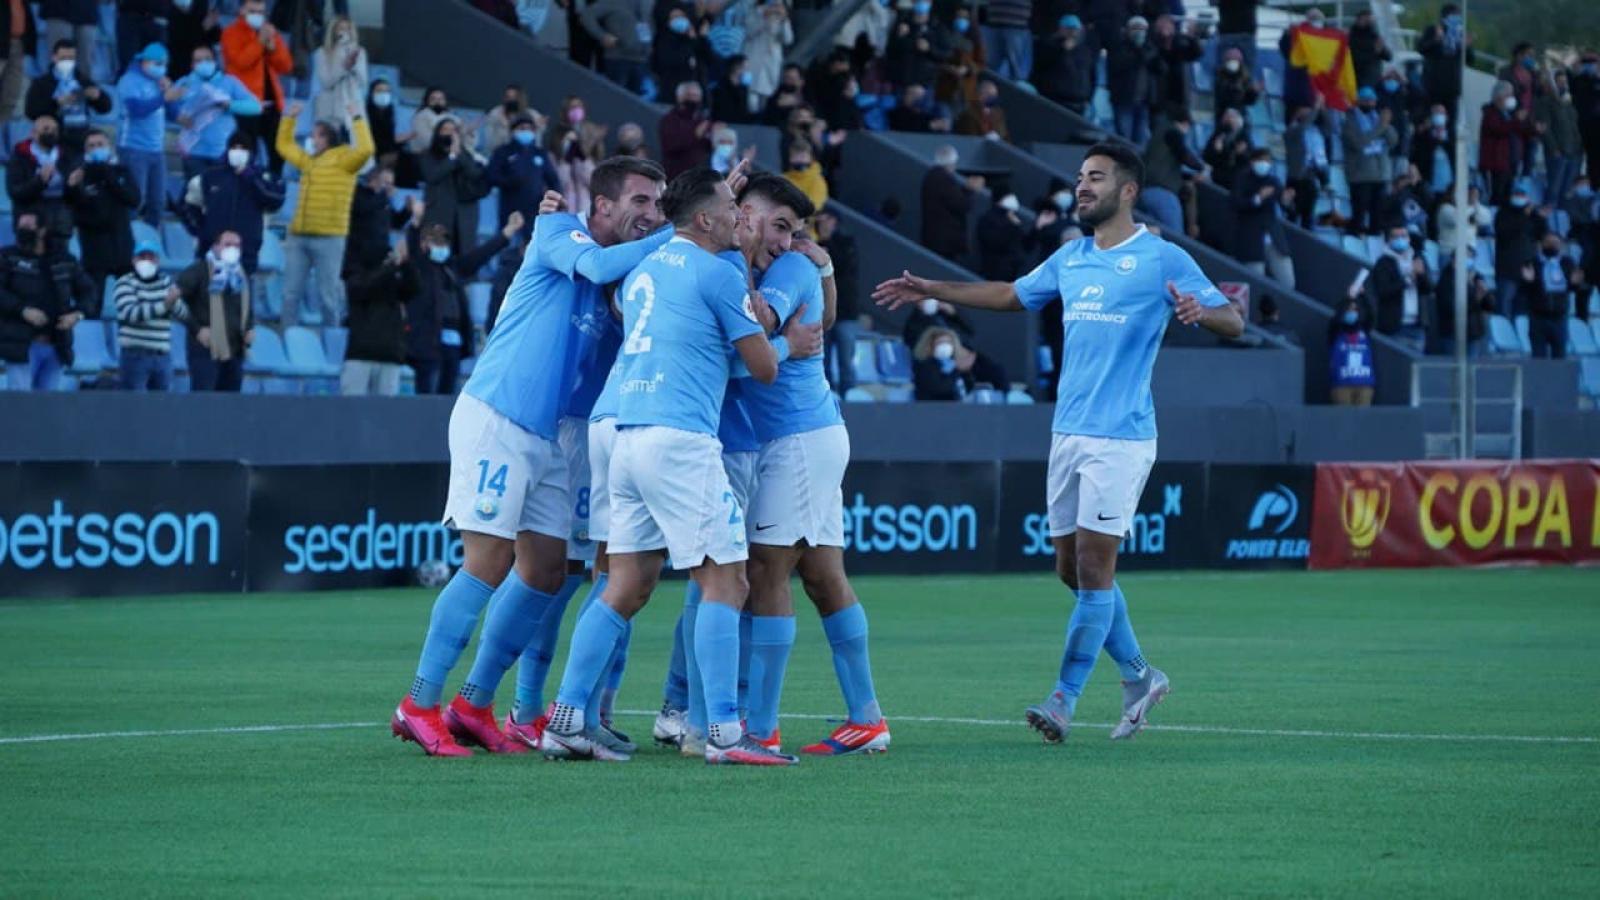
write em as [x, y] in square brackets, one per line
[327, 180]
[811, 183]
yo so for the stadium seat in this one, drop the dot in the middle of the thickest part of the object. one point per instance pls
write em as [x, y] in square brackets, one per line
[1522, 335]
[478, 301]
[305, 354]
[335, 341]
[858, 395]
[1018, 397]
[1503, 337]
[985, 395]
[291, 199]
[266, 365]
[866, 362]
[271, 258]
[180, 245]
[1355, 246]
[488, 218]
[1589, 378]
[1580, 340]
[899, 394]
[1594, 324]
[387, 73]
[90, 357]
[894, 362]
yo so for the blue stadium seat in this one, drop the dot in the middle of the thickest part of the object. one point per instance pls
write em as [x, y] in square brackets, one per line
[387, 73]
[180, 246]
[488, 216]
[858, 395]
[1594, 323]
[1355, 246]
[90, 356]
[1018, 397]
[478, 301]
[867, 361]
[1580, 340]
[899, 394]
[1503, 337]
[271, 257]
[1522, 335]
[266, 356]
[305, 353]
[894, 362]
[180, 349]
[291, 200]
[335, 341]
[1589, 378]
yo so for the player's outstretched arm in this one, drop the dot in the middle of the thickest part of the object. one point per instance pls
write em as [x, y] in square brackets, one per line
[908, 288]
[1221, 320]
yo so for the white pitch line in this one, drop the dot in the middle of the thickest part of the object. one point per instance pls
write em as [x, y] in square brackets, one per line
[933, 720]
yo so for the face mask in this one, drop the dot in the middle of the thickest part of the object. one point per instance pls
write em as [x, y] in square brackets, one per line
[1552, 252]
[1509, 104]
[1231, 65]
[522, 136]
[1519, 202]
[230, 255]
[1390, 85]
[48, 140]
[382, 99]
[928, 306]
[1351, 317]
[439, 106]
[510, 106]
[238, 157]
[98, 155]
[575, 115]
[27, 237]
[1400, 244]
[1529, 64]
[145, 268]
[311, 145]
[1584, 191]
[1439, 120]
[255, 20]
[944, 352]
[65, 68]
[1453, 20]
[679, 25]
[438, 254]
[962, 25]
[345, 37]
[157, 71]
[721, 155]
[690, 105]
[441, 144]
[921, 9]
[798, 165]
[1261, 167]
[1137, 37]
[1009, 203]
[205, 68]
[1062, 200]
[745, 78]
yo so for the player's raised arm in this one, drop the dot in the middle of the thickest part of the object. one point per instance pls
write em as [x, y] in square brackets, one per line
[909, 288]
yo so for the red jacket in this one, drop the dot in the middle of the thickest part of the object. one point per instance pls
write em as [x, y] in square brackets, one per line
[1502, 140]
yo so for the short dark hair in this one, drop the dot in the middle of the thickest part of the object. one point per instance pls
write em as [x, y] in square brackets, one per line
[63, 44]
[242, 139]
[688, 193]
[778, 191]
[608, 177]
[1129, 166]
[1265, 153]
[95, 132]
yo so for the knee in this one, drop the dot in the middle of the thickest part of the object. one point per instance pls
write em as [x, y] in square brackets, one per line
[544, 576]
[1067, 571]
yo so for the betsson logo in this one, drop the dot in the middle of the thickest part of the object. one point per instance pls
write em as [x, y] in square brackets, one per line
[92, 540]
[910, 529]
[367, 545]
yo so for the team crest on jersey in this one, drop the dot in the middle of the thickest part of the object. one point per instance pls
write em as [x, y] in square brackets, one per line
[1127, 264]
[486, 508]
[579, 237]
[750, 310]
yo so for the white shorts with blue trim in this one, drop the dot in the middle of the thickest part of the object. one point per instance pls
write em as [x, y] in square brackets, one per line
[503, 480]
[574, 440]
[602, 443]
[670, 491]
[799, 489]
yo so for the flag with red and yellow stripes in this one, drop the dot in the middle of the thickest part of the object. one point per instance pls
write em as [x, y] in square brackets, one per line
[1325, 55]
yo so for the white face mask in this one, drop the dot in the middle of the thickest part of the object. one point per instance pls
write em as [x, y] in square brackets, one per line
[229, 255]
[928, 306]
[944, 351]
[255, 20]
[238, 157]
[145, 268]
[1009, 203]
[1231, 65]
[311, 145]
[1510, 104]
[65, 68]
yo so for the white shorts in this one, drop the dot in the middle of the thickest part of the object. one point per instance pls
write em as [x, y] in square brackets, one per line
[799, 495]
[503, 480]
[602, 440]
[669, 491]
[574, 440]
[1094, 483]
[741, 468]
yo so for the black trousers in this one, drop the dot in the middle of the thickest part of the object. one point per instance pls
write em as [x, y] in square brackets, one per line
[1547, 336]
[437, 376]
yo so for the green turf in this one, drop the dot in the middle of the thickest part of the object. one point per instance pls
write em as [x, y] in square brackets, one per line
[953, 810]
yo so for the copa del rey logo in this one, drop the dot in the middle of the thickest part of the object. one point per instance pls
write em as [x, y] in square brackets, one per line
[1364, 508]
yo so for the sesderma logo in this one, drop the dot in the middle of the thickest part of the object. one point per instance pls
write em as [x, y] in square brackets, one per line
[367, 545]
[93, 540]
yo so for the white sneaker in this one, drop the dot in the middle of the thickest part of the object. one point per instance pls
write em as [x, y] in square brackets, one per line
[1138, 698]
[579, 745]
[670, 726]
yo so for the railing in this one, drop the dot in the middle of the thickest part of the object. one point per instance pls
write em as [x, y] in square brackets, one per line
[1493, 427]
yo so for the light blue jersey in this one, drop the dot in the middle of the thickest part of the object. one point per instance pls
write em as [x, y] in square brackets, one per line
[734, 431]
[528, 369]
[598, 335]
[800, 400]
[605, 405]
[1115, 308]
[681, 310]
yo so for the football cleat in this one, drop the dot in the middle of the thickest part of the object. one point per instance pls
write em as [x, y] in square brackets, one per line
[426, 729]
[773, 743]
[746, 752]
[527, 733]
[577, 745]
[693, 743]
[852, 737]
[620, 737]
[1138, 698]
[475, 726]
[613, 742]
[1051, 718]
[670, 726]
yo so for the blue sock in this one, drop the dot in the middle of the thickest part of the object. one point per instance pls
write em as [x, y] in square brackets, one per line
[716, 650]
[1121, 644]
[691, 667]
[771, 639]
[533, 669]
[847, 633]
[513, 618]
[1086, 634]
[455, 614]
[591, 708]
[593, 640]
[675, 693]
[745, 624]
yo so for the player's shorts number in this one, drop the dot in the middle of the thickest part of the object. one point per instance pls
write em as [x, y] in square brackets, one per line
[495, 482]
[581, 508]
[642, 290]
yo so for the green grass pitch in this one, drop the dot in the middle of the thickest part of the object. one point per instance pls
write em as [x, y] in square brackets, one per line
[1317, 742]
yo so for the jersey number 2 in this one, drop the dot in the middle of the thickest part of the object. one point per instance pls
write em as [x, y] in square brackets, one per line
[643, 289]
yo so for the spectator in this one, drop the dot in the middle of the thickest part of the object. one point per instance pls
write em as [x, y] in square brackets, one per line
[1368, 138]
[1175, 51]
[75, 22]
[1545, 292]
[372, 217]
[1368, 52]
[1064, 66]
[685, 132]
[1522, 73]
[36, 315]
[1518, 228]
[1236, 29]
[522, 172]
[935, 373]
[140, 23]
[768, 32]
[1433, 151]
[1404, 102]
[148, 305]
[1259, 241]
[211, 101]
[1228, 150]
[946, 201]
[841, 345]
[956, 83]
[986, 118]
[575, 156]
[1584, 209]
[17, 23]
[435, 109]
[300, 22]
[630, 141]
[497, 122]
[453, 183]
[1272, 323]
[339, 75]
[805, 172]
[36, 178]
[144, 92]
[929, 314]
[439, 328]
[387, 144]
[379, 292]
[730, 98]
[550, 23]
[1165, 160]
[623, 31]
[789, 96]
[1479, 220]
[725, 148]
[1586, 100]
[916, 112]
[321, 220]
[1008, 38]
[1297, 89]
[216, 291]
[1480, 302]
[1407, 203]
[1107, 21]
[1563, 147]
[191, 24]
[1504, 135]
[1234, 86]
[255, 53]
[836, 93]
[1442, 46]
[1305, 144]
[233, 197]
[918, 47]
[1401, 291]
[103, 197]
[1350, 374]
[679, 54]
[67, 93]
[870, 21]
[1130, 65]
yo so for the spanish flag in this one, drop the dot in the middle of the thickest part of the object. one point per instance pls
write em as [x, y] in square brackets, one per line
[1325, 55]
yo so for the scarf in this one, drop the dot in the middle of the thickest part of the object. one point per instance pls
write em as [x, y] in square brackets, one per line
[208, 103]
[224, 278]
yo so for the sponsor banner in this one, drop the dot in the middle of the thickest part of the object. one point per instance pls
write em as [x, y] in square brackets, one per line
[76, 529]
[1456, 514]
[1168, 532]
[920, 517]
[1259, 516]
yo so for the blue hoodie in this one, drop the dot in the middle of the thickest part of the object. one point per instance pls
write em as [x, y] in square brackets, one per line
[144, 111]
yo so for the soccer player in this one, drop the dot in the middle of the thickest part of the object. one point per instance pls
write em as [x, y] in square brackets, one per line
[1118, 290]
[508, 478]
[670, 497]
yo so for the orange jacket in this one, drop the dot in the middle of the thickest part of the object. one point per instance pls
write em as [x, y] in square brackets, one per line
[244, 58]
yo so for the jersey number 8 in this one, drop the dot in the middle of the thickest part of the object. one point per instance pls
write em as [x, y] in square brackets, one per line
[643, 288]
